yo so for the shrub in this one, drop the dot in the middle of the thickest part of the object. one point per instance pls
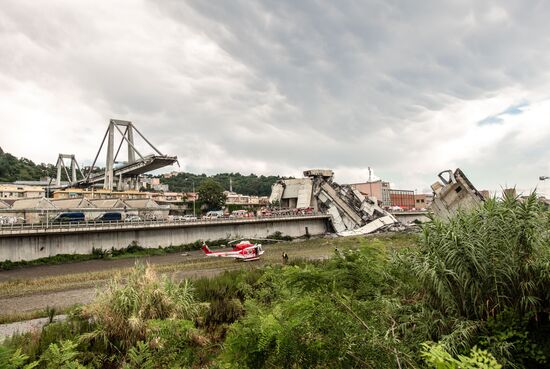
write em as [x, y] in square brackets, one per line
[121, 312]
[34, 343]
[436, 357]
[173, 342]
[279, 236]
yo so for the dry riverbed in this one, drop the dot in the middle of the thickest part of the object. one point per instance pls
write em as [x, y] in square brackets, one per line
[36, 288]
[27, 292]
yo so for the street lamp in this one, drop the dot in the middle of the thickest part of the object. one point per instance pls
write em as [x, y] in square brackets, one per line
[542, 178]
[194, 196]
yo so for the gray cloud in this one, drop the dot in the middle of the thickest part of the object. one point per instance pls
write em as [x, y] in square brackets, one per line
[278, 86]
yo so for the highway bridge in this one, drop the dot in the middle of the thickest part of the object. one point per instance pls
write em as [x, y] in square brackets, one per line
[32, 241]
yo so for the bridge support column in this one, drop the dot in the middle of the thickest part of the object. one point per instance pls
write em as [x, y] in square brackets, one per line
[109, 164]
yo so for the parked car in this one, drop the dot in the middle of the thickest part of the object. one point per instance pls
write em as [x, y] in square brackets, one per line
[133, 218]
[242, 214]
[188, 218]
[175, 218]
[69, 218]
[109, 217]
[214, 214]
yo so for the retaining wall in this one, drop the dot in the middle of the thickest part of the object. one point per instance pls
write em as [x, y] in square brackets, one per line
[17, 247]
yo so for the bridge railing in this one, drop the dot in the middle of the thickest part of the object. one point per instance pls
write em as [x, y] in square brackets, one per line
[161, 223]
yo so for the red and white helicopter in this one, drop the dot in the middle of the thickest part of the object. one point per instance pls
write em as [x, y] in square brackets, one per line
[244, 251]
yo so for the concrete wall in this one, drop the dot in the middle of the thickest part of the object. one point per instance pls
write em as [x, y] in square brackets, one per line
[410, 216]
[29, 247]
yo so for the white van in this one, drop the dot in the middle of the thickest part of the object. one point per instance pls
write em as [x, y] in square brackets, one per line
[214, 214]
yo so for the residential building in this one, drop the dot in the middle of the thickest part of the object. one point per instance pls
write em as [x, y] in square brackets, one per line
[169, 196]
[17, 191]
[153, 183]
[170, 175]
[99, 194]
[233, 198]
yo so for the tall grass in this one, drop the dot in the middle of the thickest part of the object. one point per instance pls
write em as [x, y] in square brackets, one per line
[486, 261]
[122, 311]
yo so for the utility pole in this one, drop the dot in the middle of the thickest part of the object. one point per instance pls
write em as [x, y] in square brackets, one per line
[370, 182]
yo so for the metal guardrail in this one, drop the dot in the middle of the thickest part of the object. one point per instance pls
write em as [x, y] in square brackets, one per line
[34, 228]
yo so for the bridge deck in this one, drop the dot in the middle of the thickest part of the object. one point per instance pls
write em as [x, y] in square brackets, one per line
[140, 166]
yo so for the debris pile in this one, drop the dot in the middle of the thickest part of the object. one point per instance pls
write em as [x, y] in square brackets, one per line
[352, 213]
[452, 193]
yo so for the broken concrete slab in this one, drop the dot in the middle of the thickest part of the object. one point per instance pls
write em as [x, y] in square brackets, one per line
[454, 192]
[373, 226]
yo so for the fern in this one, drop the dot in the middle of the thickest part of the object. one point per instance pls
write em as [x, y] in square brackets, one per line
[15, 360]
[436, 357]
[139, 357]
[63, 356]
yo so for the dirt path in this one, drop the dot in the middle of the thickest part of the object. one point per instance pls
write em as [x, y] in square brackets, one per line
[58, 300]
[93, 266]
[63, 299]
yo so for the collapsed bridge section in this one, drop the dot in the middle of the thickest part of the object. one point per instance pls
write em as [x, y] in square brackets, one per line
[351, 212]
[454, 192]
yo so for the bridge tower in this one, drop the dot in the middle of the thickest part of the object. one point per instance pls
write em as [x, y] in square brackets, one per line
[126, 129]
[72, 178]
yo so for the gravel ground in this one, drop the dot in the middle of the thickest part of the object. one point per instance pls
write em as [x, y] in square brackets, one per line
[57, 300]
[7, 330]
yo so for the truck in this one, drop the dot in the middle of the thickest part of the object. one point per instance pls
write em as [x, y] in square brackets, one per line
[109, 217]
[69, 218]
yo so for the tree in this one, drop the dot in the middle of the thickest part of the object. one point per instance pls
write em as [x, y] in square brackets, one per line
[211, 194]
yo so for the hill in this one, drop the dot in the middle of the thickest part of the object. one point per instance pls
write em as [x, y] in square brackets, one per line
[22, 169]
[245, 184]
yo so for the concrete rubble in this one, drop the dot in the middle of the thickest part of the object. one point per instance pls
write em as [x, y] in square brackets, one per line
[452, 193]
[352, 213]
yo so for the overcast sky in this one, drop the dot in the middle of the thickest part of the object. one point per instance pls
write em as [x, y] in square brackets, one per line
[408, 88]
